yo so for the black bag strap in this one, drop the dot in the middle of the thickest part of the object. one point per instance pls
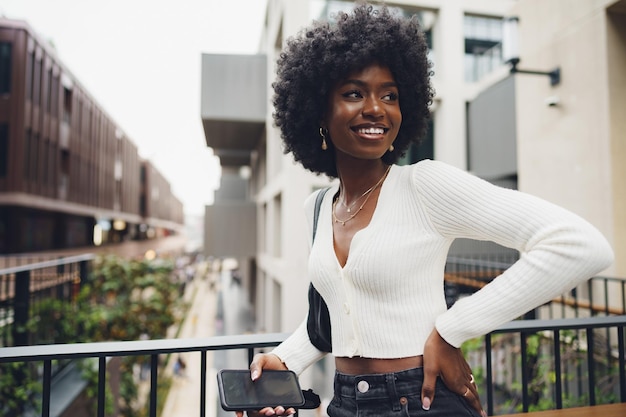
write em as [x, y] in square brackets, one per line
[316, 210]
[312, 400]
[318, 319]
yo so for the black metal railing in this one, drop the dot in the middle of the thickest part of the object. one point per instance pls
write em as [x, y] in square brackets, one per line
[593, 354]
[23, 287]
[597, 342]
[153, 348]
[48, 353]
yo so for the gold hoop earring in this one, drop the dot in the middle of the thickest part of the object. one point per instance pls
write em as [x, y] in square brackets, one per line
[391, 148]
[324, 145]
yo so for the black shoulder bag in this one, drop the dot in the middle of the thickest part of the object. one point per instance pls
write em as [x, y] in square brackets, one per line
[318, 321]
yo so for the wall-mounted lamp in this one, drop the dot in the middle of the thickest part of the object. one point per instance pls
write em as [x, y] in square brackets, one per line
[510, 51]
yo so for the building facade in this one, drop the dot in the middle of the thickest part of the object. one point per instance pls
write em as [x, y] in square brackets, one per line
[69, 176]
[501, 126]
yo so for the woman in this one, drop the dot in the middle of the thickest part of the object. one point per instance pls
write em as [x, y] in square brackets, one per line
[350, 98]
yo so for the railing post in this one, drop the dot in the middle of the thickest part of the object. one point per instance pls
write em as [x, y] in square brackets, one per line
[21, 306]
[47, 382]
[558, 382]
[154, 372]
[524, 348]
[489, 374]
[622, 363]
[102, 365]
[591, 366]
[203, 374]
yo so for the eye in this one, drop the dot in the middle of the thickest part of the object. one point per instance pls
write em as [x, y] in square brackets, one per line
[352, 94]
[391, 96]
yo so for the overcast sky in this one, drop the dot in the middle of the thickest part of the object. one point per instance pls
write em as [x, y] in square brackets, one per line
[140, 60]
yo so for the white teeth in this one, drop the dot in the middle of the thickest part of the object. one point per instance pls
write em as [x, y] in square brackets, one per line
[372, 131]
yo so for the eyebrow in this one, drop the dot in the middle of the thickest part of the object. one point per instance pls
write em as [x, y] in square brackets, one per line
[362, 84]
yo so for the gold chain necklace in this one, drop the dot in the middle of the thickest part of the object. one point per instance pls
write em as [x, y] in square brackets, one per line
[349, 208]
[369, 194]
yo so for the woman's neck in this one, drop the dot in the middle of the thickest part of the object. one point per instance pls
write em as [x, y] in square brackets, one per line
[357, 179]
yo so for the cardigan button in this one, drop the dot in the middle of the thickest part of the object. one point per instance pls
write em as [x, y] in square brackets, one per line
[346, 308]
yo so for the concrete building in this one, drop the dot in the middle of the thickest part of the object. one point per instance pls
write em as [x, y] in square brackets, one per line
[561, 142]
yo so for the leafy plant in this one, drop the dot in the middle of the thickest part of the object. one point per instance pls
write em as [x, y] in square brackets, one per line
[120, 300]
[19, 390]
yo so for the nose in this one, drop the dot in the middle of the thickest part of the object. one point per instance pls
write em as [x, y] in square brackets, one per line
[372, 108]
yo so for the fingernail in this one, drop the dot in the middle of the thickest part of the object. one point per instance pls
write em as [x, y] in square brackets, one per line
[426, 403]
[254, 375]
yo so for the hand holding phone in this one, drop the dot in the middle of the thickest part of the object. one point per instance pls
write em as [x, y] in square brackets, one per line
[238, 391]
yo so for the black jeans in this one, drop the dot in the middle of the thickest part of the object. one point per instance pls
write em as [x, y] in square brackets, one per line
[395, 394]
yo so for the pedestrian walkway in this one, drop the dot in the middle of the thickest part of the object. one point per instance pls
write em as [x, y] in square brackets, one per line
[183, 399]
[218, 307]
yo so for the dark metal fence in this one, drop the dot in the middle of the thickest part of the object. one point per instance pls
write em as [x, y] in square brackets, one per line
[593, 338]
[588, 361]
[24, 287]
[46, 354]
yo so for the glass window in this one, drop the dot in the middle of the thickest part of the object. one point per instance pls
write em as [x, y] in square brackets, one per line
[67, 105]
[34, 157]
[48, 99]
[5, 67]
[483, 46]
[4, 150]
[30, 63]
[54, 96]
[27, 151]
[37, 82]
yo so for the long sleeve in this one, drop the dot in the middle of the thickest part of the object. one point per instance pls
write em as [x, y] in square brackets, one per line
[558, 249]
[297, 352]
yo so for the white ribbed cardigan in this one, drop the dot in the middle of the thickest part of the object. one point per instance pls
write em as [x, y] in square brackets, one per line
[388, 297]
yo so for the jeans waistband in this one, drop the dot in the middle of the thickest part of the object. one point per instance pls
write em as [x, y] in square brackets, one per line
[378, 386]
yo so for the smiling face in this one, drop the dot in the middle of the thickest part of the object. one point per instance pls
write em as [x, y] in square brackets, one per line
[363, 116]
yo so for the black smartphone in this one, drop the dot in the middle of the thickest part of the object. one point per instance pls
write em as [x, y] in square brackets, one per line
[238, 391]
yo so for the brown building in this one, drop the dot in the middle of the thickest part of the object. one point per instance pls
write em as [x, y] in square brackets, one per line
[69, 176]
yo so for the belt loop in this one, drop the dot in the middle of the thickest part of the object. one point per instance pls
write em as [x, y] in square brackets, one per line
[337, 390]
[391, 390]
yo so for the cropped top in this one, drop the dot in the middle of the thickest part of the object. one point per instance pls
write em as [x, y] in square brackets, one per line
[389, 295]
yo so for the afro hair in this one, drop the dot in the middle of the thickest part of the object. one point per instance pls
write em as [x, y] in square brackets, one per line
[319, 56]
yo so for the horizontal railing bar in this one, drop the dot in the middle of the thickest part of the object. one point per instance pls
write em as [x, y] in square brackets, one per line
[561, 324]
[47, 264]
[478, 262]
[247, 341]
[138, 347]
